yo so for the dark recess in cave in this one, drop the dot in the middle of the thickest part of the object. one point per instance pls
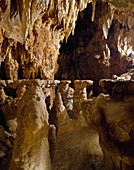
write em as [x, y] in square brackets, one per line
[3, 121]
[77, 59]
[83, 24]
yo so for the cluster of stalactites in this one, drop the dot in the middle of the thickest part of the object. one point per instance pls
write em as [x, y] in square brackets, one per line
[67, 13]
[121, 11]
[63, 13]
[125, 15]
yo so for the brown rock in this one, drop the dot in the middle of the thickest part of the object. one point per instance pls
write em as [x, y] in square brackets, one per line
[31, 149]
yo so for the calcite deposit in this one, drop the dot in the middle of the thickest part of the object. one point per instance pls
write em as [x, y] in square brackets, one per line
[66, 85]
[114, 119]
[105, 45]
[30, 35]
[40, 131]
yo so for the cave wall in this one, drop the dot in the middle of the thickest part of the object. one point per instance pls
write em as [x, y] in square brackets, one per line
[102, 40]
[30, 35]
[95, 52]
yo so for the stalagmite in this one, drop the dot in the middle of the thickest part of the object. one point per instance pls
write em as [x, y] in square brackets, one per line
[35, 155]
[80, 94]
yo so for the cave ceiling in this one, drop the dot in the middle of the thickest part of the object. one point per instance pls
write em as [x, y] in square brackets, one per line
[26, 25]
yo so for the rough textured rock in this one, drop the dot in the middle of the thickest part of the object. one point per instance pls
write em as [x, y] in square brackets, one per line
[45, 120]
[76, 150]
[30, 35]
[101, 48]
[40, 119]
[47, 124]
[31, 148]
[27, 123]
[114, 119]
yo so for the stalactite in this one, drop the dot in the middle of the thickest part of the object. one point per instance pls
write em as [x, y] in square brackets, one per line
[80, 3]
[111, 12]
[73, 24]
[93, 9]
[107, 20]
[105, 29]
[67, 7]
[46, 4]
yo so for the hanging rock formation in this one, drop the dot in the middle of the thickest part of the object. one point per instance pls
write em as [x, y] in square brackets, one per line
[105, 45]
[30, 35]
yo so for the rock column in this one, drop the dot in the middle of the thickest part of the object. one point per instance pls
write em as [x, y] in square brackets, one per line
[31, 148]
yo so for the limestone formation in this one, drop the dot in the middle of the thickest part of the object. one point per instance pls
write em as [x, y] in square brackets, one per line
[105, 45]
[126, 76]
[52, 115]
[30, 35]
[67, 94]
[30, 124]
[27, 124]
[31, 149]
[113, 118]
[37, 125]
[80, 96]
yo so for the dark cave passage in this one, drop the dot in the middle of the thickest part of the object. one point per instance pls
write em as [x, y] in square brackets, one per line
[88, 55]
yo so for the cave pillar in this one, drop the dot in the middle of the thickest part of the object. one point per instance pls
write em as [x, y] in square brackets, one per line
[80, 94]
[31, 147]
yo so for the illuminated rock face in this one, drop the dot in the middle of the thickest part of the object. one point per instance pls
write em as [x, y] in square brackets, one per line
[30, 35]
[51, 125]
[105, 45]
[114, 119]
[31, 32]
[45, 130]
[31, 132]
[27, 124]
